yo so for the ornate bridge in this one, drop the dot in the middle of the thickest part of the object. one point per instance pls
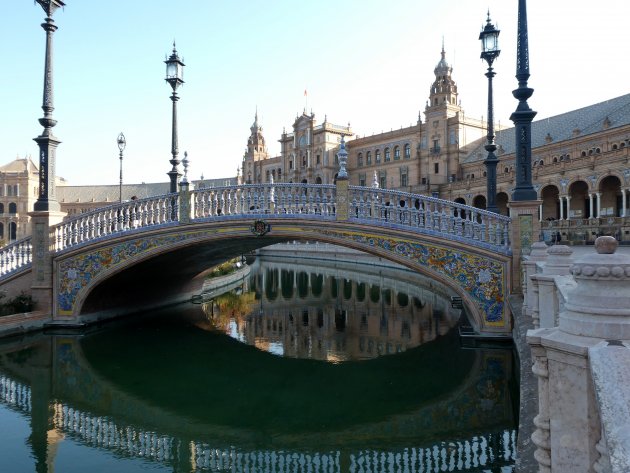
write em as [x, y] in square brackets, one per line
[466, 248]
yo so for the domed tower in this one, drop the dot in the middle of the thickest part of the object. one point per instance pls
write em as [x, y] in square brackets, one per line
[255, 153]
[443, 93]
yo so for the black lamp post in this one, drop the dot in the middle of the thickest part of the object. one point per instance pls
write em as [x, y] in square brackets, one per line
[523, 116]
[489, 37]
[121, 147]
[47, 142]
[175, 77]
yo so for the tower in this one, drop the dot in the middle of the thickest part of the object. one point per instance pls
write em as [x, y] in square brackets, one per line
[440, 134]
[255, 153]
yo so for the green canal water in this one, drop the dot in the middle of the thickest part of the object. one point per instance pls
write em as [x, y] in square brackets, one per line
[295, 370]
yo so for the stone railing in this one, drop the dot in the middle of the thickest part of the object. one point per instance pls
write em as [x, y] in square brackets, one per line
[313, 200]
[581, 353]
[115, 219]
[15, 256]
[430, 215]
[365, 205]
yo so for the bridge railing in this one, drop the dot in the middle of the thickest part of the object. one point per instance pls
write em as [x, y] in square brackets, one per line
[315, 200]
[115, 218]
[429, 215]
[15, 256]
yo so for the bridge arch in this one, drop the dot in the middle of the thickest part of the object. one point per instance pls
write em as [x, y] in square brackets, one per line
[476, 275]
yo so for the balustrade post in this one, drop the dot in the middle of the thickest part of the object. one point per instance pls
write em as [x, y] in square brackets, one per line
[525, 230]
[184, 202]
[43, 241]
[341, 204]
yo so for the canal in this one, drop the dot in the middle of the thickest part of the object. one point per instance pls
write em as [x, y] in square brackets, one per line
[310, 366]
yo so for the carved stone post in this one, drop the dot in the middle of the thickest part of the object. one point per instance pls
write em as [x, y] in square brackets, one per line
[184, 202]
[525, 231]
[558, 264]
[530, 263]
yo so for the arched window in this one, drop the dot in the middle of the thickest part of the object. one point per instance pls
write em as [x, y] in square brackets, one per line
[360, 159]
[12, 208]
[368, 157]
[387, 155]
[1, 208]
[377, 155]
[506, 170]
[396, 152]
[407, 151]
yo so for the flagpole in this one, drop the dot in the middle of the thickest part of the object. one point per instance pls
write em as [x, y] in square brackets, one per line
[305, 101]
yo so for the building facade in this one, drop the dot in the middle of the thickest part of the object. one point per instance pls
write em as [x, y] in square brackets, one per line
[580, 160]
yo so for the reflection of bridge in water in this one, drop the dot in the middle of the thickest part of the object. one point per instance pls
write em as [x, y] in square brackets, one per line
[460, 454]
[75, 402]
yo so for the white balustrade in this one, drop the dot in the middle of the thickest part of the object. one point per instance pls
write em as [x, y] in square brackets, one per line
[383, 207]
[115, 219]
[429, 215]
[15, 256]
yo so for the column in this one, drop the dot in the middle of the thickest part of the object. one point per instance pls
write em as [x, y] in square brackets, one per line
[561, 208]
[568, 207]
[623, 202]
[599, 204]
[540, 212]
[590, 205]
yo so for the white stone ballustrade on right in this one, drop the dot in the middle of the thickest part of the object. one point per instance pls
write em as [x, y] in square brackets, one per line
[581, 353]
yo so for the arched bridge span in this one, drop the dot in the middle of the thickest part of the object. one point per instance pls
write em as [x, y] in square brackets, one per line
[464, 247]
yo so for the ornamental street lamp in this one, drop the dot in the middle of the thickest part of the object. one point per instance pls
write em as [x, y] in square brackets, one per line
[47, 142]
[175, 77]
[121, 147]
[489, 37]
[523, 116]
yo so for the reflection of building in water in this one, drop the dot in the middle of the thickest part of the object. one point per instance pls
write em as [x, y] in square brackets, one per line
[319, 312]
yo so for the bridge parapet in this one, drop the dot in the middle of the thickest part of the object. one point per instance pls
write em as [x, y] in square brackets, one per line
[312, 200]
[430, 215]
[16, 256]
[114, 219]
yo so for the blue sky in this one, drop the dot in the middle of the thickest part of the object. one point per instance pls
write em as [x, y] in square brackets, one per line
[366, 62]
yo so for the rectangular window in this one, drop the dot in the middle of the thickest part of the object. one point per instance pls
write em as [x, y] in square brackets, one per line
[383, 182]
[436, 168]
[403, 180]
[362, 180]
[317, 159]
[423, 142]
[290, 164]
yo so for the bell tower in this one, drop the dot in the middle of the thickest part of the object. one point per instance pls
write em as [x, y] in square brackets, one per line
[255, 152]
[443, 93]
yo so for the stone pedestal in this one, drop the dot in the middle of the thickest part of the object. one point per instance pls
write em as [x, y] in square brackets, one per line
[184, 202]
[525, 231]
[43, 241]
[568, 427]
[530, 263]
[558, 263]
